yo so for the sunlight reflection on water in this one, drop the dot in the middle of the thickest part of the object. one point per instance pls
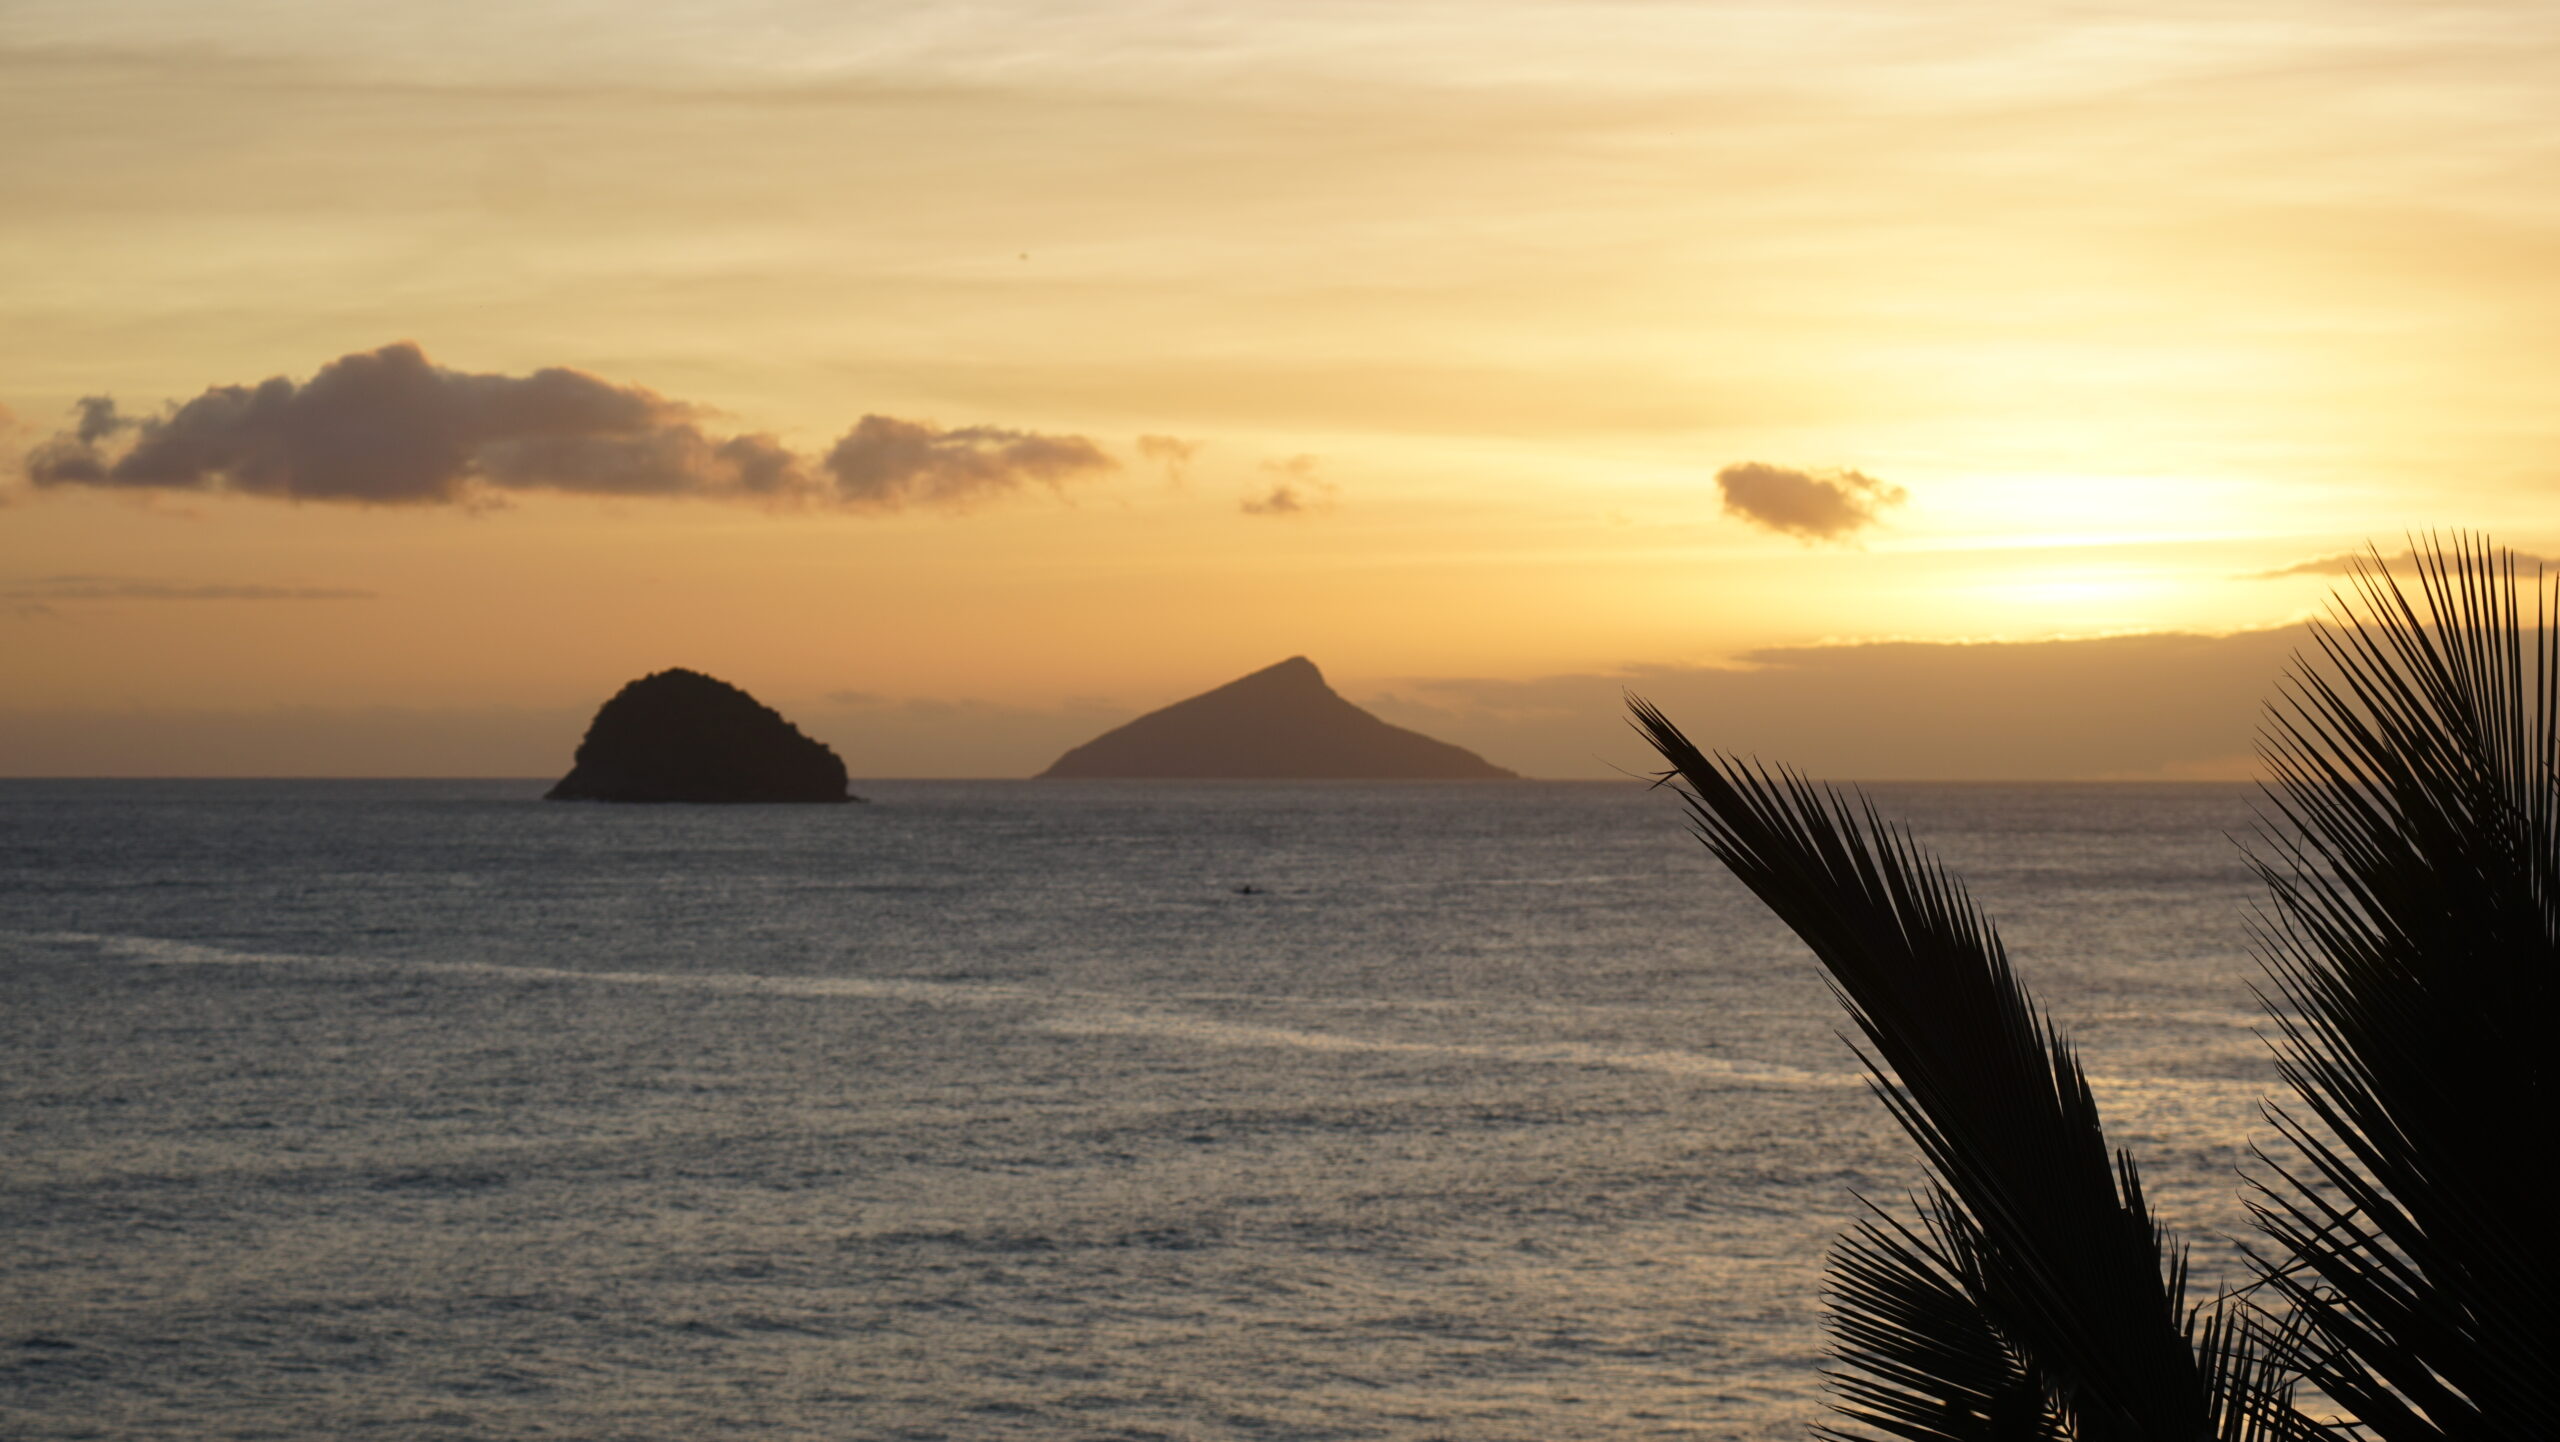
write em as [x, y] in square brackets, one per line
[995, 1109]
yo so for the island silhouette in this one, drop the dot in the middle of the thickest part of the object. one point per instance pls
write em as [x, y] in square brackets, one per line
[679, 735]
[1280, 723]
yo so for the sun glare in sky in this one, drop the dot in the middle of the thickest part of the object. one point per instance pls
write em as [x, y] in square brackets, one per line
[1011, 365]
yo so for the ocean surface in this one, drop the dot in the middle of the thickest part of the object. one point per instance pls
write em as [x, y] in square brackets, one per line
[997, 1109]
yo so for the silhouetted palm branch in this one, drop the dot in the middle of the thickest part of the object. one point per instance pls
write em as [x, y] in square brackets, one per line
[1924, 1362]
[2413, 856]
[2037, 1226]
[2415, 867]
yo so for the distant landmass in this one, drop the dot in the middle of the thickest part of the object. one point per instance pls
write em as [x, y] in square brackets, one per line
[682, 736]
[1280, 723]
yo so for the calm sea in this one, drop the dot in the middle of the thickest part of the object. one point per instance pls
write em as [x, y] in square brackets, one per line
[995, 1109]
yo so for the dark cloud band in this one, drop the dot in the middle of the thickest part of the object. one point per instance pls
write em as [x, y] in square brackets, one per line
[390, 427]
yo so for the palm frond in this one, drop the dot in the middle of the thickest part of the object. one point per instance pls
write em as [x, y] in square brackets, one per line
[2074, 1274]
[1923, 1360]
[2413, 857]
[2249, 1357]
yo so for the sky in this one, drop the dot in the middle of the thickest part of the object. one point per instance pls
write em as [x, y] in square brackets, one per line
[1901, 390]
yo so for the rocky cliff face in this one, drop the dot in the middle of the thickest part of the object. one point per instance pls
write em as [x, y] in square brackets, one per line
[682, 736]
[1280, 723]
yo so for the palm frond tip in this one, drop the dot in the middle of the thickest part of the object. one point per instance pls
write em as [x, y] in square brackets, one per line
[2412, 853]
[2073, 1272]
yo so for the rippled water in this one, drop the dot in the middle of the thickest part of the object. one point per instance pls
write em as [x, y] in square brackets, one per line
[993, 1110]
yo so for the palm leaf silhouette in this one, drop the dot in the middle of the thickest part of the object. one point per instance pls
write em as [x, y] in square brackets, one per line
[1923, 1360]
[2037, 1225]
[2412, 852]
[2414, 861]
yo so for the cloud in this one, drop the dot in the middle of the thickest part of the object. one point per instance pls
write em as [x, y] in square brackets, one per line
[1296, 492]
[2344, 563]
[2159, 705]
[1171, 452]
[9, 455]
[73, 456]
[390, 427]
[673, 460]
[1283, 500]
[98, 419]
[125, 588]
[1825, 506]
[886, 464]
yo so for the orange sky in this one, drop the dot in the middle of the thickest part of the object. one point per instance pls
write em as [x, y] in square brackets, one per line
[1494, 354]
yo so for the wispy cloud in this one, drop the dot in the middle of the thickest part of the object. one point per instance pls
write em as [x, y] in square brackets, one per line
[1173, 453]
[390, 427]
[44, 589]
[2343, 563]
[2333, 565]
[1297, 491]
[1814, 506]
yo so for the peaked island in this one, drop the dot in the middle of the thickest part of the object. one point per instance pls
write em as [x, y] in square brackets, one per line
[1280, 723]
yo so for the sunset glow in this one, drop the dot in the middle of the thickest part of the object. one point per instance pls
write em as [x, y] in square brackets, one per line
[1412, 338]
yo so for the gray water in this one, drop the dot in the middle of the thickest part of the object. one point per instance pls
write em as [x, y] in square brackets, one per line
[995, 1110]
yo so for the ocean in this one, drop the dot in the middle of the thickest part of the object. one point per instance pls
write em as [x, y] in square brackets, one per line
[1003, 1110]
